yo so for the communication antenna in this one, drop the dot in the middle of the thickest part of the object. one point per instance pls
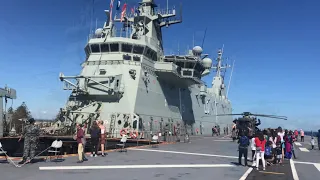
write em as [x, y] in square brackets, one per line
[92, 12]
[167, 6]
[204, 37]
[193, 40]
[230, 78]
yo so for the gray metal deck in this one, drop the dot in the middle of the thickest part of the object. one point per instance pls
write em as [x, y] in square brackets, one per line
[211, 158]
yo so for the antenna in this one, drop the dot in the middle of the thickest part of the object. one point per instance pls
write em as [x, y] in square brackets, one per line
[167, 6]
[230, 78]
[96, 23]
[193, 40]
[178, 48]
[204, 37]
[92, 12]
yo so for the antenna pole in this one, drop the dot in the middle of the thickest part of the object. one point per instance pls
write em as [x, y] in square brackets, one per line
[96, 23]
[204, 37]
[230, 78]
[193, 40]
[167, 6]
[178, 48]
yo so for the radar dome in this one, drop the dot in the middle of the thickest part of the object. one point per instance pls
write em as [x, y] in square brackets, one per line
[99, 32]
[197, 50]
[207, 62]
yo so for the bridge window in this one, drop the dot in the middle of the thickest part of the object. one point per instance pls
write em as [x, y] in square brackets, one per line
[126, 48]
[114, 47]
[105, 48]
[136, 58]
[138, 49]
[187, 73]
[87, 50]
[95, 48]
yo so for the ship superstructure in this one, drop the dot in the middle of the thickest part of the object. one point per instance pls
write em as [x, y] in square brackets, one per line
[128, 82]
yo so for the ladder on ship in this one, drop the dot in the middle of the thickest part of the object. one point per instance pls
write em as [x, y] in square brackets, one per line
[112, 125]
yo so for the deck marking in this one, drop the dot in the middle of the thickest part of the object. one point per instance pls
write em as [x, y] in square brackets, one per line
[246, 174]
[136, 166]
[223, 140]
[300, 162]
[294, 171]
[196, 154]
[297, 143]
[317, 165]
[268, 172]
[304, 149]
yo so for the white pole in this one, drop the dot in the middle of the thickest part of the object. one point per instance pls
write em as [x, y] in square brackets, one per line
[230, 78]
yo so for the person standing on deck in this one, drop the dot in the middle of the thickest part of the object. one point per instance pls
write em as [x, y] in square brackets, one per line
[31, 135]
[102, 137]
[95, 134]
[302, 135]
[296, 134]
[79, 138]
[318, 136]
[243, 148]
[84, 142]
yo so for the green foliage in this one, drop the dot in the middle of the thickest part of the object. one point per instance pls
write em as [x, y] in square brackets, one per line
[19, 116]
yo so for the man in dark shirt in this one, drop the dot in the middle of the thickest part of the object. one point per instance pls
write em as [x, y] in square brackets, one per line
[243, 148]
[318, 137]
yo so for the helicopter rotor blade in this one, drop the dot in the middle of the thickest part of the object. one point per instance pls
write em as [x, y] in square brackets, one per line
[228, 114]
[275, 117]
[265, 115]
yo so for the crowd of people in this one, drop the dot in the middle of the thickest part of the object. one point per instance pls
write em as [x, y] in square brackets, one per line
[271, 146]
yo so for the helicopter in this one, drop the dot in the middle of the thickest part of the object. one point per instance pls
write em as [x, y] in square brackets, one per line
[249, 123]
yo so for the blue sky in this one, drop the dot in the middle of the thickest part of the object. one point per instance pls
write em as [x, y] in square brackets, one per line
[275, 45]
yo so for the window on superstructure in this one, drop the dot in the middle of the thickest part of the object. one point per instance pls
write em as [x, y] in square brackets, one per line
[102, 72]
[126, 48]
[138, 49]
[87, 50]
[105, 48]
[114, 47]
[136, 58]
[95, 48]
[187, 73]
[155, 56]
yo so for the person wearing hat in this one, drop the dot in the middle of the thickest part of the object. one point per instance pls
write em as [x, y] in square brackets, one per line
[30, 133]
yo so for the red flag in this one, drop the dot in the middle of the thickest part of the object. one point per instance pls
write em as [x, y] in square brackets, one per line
[123, 12]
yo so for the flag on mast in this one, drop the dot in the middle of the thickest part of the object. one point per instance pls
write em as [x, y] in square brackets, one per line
[118, 5]
[111, 7]
[123, 12]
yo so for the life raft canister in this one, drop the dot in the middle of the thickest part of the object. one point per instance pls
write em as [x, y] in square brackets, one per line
[123, 132]
[134, 134]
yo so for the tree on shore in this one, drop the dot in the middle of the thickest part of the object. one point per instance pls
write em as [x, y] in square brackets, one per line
[19, 117]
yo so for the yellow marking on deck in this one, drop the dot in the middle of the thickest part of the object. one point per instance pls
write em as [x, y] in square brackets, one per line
[266, 172]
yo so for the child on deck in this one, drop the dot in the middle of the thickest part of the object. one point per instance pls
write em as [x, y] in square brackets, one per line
[268, 155]
[312, 143]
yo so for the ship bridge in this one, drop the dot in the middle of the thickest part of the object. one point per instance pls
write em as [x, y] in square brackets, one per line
[190, 67]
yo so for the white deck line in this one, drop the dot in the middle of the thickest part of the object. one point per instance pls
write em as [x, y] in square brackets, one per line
[135, 166]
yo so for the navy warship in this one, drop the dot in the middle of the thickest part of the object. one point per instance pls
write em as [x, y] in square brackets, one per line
[128, 82]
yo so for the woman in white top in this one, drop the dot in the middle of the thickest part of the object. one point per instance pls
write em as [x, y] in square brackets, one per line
[281, 135]
[253, 148]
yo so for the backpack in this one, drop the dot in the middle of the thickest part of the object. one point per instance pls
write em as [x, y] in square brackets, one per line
[268, 151]
[244, 141]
